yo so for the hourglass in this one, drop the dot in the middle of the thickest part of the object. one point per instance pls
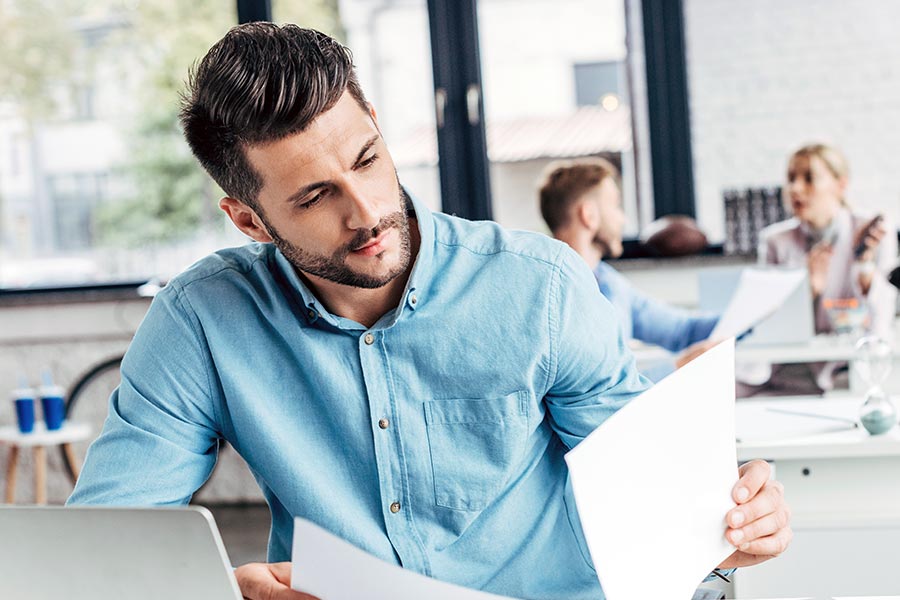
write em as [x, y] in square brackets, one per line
[872, 362]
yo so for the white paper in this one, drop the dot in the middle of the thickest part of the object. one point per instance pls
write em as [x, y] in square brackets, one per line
[331, 569]
[653, 483]
[760, 292]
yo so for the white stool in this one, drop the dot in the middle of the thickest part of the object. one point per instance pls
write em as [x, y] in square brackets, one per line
[39, 439]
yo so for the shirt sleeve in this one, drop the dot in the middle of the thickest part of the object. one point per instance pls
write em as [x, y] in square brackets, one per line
[673, 328]
[160, 440]
[592, 372]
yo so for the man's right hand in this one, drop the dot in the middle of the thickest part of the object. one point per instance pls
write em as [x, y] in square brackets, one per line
[268, 581]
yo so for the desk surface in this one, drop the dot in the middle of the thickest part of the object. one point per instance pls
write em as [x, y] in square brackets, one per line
[763, 432]
[68, 433]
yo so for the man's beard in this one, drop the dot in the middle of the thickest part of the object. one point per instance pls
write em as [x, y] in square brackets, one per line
[334, 268]
[605, 250]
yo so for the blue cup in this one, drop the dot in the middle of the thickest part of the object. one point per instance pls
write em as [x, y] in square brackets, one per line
[53, 406]
[25, 413]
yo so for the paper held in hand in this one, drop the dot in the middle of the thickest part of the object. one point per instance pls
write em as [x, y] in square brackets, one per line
[653, 483]
[759, 293]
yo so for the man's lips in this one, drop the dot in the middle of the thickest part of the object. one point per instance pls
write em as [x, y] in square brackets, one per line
[374, 246]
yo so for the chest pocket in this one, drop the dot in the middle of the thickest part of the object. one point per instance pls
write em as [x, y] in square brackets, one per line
[475, 445]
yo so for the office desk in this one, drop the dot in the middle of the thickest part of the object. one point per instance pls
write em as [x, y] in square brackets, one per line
[843, 487]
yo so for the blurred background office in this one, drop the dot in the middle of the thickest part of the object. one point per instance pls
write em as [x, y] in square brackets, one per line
[698, 103]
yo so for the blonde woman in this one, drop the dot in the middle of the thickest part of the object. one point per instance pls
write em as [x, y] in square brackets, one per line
[848, 255]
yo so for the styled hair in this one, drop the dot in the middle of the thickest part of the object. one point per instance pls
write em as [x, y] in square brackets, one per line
[564, 185]
[260, 83]
[830, 156]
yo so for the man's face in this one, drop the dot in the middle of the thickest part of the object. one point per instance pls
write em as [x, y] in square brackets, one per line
[331, 201]
[608, 234]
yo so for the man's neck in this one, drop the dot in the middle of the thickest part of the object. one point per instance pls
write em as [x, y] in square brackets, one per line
[366, 306]
[582, 244]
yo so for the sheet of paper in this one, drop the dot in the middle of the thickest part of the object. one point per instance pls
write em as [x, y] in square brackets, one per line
[331, 569]
[653, 483]
[759, 293]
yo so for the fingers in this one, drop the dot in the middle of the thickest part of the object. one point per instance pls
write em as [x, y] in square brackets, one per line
[767, 525]
[754, 476]
[770, 545]
[260, 581]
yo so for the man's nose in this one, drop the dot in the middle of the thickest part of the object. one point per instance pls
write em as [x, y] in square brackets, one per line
[363, 212]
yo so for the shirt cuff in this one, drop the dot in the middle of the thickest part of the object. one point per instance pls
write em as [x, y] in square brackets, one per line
[719, 574]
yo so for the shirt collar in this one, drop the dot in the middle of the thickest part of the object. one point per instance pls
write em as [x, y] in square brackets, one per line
[413, 293]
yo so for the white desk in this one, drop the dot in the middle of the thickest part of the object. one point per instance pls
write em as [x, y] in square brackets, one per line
[38, 440]
[844, 490]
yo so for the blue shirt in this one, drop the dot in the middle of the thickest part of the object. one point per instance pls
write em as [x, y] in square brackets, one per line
[433, 440]
[651, 321]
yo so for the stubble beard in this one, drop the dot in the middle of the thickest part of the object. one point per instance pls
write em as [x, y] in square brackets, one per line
[334, 268]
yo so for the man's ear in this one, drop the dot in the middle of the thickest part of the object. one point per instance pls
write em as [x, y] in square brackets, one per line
[588, 214]
[245, 219]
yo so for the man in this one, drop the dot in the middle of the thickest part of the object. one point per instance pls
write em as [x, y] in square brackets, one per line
[407, 380]
[582, 205]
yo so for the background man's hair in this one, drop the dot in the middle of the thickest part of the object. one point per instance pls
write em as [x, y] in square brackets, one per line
[258, 84]
[566, 182]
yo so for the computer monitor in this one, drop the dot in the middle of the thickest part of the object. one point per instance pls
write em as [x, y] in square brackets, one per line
[104, 553]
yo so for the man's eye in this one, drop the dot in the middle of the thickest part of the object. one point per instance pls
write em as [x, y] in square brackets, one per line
[368, 162]
[313, 201]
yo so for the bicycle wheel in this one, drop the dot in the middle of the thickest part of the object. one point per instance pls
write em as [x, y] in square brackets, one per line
[88, 402]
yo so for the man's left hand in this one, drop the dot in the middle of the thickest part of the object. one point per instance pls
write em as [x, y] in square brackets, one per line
[759, 526]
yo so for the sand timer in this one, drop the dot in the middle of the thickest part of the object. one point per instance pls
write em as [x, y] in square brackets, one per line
[873, 359]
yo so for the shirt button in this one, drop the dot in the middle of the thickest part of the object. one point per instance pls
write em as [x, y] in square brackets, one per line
[312, 314]
[395, 507]
[383, 423]
[369, 339]
[413, 299]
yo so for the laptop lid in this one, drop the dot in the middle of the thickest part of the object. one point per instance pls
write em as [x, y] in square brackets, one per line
[104, 553]
[792, 323]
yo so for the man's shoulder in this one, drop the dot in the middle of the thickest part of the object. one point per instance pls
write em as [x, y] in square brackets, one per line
[489, 239]
[229, 264]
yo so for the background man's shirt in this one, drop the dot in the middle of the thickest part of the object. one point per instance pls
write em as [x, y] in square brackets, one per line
[433, 439]
[648, 320]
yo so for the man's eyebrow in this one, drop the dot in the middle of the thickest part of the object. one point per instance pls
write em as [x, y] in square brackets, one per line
[365, 148]
[313, 186]
[299, 194]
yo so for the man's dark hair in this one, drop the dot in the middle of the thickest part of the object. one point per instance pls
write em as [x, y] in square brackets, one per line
[564, 185]
[258, 84]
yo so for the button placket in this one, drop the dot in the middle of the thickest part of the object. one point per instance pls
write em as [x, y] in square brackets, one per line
[389, 457]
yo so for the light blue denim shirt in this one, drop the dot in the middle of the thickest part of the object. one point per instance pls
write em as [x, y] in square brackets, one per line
[433, 439]
[651, 321]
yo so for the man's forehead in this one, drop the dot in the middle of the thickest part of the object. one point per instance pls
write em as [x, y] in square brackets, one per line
[332, 140]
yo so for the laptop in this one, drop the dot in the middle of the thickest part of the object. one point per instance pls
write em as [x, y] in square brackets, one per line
[104, 553]
[792, 323]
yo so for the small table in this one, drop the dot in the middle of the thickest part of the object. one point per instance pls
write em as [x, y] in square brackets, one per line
[39, 439]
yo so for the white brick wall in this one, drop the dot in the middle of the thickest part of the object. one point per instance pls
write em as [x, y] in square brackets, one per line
[770, 75]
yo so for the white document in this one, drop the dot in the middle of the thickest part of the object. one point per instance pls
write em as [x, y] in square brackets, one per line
[760, 292]
[653, 483]
[331, 569]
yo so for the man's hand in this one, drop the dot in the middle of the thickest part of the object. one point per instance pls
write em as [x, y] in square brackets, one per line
[759, 526]
[268, 581]
[693, 351]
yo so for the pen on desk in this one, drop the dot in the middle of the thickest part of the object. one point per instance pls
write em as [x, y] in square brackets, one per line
[852, 423]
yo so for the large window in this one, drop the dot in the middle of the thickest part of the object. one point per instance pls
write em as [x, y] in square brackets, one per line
[554, 88]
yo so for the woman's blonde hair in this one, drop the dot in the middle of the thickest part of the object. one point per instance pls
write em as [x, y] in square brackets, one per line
[830, 156]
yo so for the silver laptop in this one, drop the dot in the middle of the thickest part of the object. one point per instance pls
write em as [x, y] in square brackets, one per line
[103, 553]
[792, 323]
